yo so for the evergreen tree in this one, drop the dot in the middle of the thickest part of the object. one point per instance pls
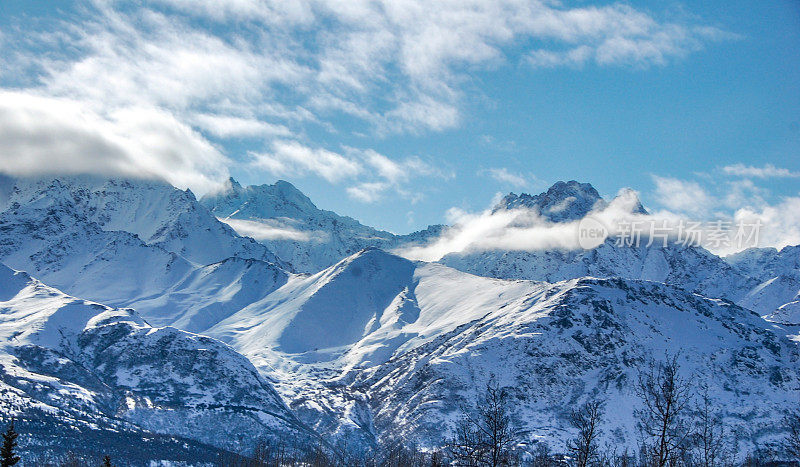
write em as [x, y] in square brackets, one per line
[106, 461]
[7, 455]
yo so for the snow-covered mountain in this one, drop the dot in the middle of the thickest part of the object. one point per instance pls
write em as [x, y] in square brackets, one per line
[562, 344]
[83, 364]
[763, 280]
[778, 273]
[370, 346]
[564, 201]
[308, 238]
[110, 240]
[691, 268]
[156, 212]
[379, 346]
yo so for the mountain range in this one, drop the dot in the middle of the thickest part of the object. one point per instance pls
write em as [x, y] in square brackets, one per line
[251, 311]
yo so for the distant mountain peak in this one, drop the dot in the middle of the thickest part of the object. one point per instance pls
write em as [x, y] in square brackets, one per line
[564, 201]
[631, 196]
[282, 199]
[233, 185]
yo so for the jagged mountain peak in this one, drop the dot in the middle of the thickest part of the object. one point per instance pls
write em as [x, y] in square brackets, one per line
[153, 210]
[564, 201]
[309, 238]
[281, 199]
[232, 185]
[631, 198]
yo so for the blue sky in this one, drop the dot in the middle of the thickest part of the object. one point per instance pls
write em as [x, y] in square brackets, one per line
[396, 112]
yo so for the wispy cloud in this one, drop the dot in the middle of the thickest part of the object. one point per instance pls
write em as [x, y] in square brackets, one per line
[370, 174]
[780, 221]
[368, 192]
[506, 177]
[388, 174]
[515, 230]
[523, 229]
[766, 171]
[682, 195]
[272, 229]
[294, 158]
[617, 35]
[243, 68]
[225, 126]
[397, 65]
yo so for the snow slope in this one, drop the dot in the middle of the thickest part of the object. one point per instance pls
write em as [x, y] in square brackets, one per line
[85, 363]
[583, 339]
[156, 212]
[380, 346]
[308, 238]
[371, 345]
[778, 273]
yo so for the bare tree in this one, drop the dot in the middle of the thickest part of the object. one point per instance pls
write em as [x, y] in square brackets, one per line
[542, 457]
[586, 419]
[495, 423]
[709, 432]
[484, 436]
[466, 447]
[791, 443]
[665, 399]
[610, 457]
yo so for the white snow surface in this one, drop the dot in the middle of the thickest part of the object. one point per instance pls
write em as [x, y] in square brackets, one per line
[84, 362]
[308, 238]
[366, 344]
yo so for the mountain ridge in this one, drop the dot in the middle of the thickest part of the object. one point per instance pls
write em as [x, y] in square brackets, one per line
[375, 346]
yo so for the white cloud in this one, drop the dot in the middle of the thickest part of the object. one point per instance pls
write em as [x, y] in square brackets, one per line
[42, 135]
[375, 173]
[271, 229]
[744, 193]
[399, 66]
[387, 174]
[396, 172]
[525, 230]
[232, 127]
[425, 112]
[293, 158]
[245, 70]
[780, 222]
[516, 230]
[368, 192]
[503, 175]
[683, 196]
[618, 35]
[767, 171]
[385, 167]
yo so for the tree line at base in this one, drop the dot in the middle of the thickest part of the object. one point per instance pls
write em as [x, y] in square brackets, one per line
[677, 428]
